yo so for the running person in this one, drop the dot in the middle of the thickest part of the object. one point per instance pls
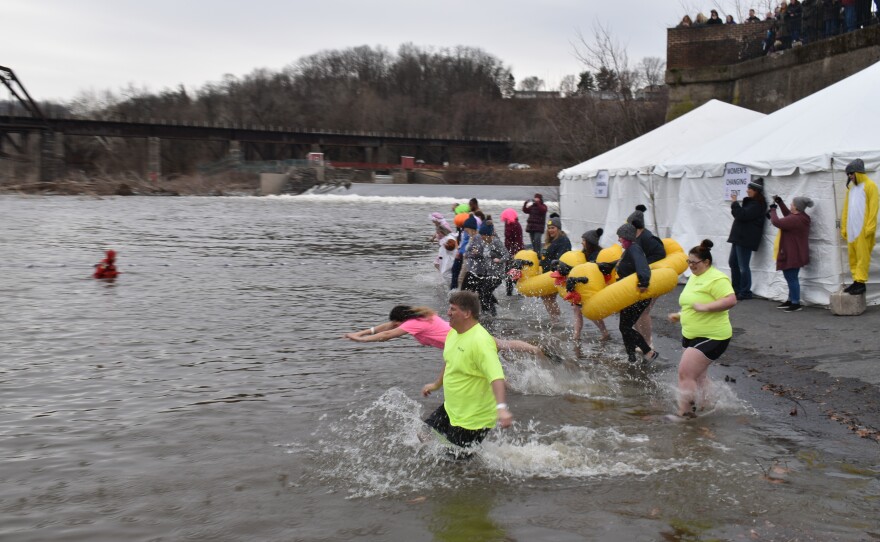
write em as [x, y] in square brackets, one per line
[705, 327]
[472, 378]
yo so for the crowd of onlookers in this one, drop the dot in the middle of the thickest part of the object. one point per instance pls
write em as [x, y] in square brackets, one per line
[799, 22]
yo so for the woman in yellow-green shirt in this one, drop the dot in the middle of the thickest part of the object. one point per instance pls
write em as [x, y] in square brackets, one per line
[705, 326]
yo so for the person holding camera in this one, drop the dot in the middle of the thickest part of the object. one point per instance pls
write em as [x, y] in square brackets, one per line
[705, 326]
[537, 212]
[745, 236]
[794, 248]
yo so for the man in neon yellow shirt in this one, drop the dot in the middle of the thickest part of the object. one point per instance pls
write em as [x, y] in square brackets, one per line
[472, 378]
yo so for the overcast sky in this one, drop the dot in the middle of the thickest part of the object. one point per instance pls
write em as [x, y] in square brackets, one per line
[62, 48]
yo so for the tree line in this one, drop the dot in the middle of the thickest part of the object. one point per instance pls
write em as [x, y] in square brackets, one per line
[459, 91]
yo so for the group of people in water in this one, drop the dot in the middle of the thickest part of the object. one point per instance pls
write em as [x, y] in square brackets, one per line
[473, 378]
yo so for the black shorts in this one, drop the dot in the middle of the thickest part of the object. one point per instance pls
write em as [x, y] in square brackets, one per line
[710, 348]
[439, 421]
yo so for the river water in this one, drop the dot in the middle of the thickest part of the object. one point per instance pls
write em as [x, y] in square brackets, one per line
[206, 395]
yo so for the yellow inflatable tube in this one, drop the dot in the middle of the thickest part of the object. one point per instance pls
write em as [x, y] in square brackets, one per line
[623, 293]
[532, 282]
[583, 282]
[675, 257]
[568, 261]
[607, 255]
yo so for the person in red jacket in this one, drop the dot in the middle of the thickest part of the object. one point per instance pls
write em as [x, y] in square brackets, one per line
[537, 212]
[513, 239]
[107, 268]
[794, 248]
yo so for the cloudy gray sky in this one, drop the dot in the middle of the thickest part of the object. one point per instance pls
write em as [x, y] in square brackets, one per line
[62, 48]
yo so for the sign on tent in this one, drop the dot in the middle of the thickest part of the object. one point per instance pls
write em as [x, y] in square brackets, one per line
[736, 180]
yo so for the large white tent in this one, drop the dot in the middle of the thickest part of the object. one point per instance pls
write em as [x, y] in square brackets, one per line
[630, 179]
[801, 149]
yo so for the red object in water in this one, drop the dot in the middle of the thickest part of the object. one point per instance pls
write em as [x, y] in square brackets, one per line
[107, 268]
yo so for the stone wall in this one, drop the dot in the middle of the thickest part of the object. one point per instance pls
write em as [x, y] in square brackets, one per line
[714, 45]
[772, 82]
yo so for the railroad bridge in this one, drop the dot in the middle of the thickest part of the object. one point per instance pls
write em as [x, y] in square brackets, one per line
[32, 136]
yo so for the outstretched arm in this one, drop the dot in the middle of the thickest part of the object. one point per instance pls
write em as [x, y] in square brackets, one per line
[380, 333]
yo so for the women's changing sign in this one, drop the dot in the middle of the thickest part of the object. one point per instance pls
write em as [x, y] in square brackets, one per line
[600, 188]
[736, 180]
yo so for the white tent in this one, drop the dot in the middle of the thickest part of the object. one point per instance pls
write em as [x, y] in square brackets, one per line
[629, 168]
[799, 150]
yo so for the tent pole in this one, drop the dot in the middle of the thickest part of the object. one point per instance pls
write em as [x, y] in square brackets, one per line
[837, 218]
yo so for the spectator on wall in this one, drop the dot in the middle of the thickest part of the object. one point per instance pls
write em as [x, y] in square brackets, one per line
[686, 22]
[809, 21]
[700, 20]
[752, 18]
[729, 20]
[849, 15]
[793, 18]
[830, 16]
[714, 18]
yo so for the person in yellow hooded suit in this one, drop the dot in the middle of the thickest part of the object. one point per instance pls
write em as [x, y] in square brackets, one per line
[858, 224]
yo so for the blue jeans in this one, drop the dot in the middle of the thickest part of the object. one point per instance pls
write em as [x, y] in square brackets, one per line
[849, 16]
[536, 241]
[794, 286]
[740, 274]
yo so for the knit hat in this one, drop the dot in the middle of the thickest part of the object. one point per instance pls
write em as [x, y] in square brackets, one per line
[471, 223]
[593, 236]
[556, 222]
[638, 215]
[801, 203]
[856, 166]
[627, 231]
[487, 228]
[757, 184]
[508, 215]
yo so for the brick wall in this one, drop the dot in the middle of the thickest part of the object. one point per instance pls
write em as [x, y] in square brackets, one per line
[714, 45]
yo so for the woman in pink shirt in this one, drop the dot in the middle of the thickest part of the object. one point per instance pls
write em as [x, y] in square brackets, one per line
[427, 328]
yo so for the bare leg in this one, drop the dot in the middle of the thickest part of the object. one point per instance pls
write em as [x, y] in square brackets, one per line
[691, 379]
[578, 322]
[644, 325]
[602, 329]
[552, 308]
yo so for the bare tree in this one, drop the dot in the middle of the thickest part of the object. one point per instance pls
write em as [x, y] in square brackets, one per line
[568, 85]
[532, 83]
[652, 71]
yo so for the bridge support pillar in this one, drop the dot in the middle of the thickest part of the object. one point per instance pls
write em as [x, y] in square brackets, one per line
[48, 158]
[368, 155]
[154, 159]
[234, 152]
[382, 154]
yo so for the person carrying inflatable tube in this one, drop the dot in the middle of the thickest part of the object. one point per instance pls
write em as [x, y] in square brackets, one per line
[858, 224]
[654, 252]
[526, 273]
[584, 280]
[634, 262]
[513, 239]
[557, 244]
[107, 268]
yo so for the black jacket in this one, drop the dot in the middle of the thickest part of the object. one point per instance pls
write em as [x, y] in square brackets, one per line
[748, 223]
[554, 251]
[634, 261]
[651, 245]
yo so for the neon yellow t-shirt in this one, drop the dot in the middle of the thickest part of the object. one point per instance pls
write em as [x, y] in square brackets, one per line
[706, 288]
[472, 365]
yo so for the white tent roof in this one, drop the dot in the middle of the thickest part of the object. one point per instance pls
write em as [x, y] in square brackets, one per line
[640, 155]
[837, 121]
